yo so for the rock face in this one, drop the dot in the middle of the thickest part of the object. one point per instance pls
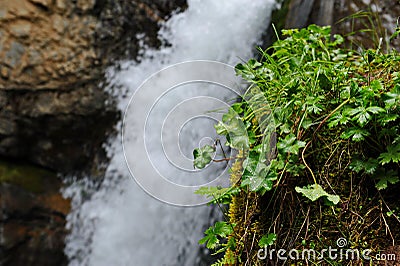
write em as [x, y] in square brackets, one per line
[32, 217]
[59, 129]
[46, 45]
[302, 13]
[54, 111]
[125, 23]
[53, 54]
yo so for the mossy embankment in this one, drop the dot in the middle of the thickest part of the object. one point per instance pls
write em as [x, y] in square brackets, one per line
[322, 160]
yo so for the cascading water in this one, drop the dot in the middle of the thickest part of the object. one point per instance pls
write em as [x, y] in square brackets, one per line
[120, 224]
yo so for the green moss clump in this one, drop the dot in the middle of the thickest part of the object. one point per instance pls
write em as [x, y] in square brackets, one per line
[28, 177]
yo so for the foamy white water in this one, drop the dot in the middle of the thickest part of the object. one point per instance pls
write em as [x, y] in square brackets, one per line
[120, 224]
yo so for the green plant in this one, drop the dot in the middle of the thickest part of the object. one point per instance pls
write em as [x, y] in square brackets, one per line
[397, 31]
[220, 229]
[213, 235]
[333, 114]
[267, 240]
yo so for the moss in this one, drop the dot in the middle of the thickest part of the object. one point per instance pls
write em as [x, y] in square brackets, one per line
[243, 213]
[29, 177]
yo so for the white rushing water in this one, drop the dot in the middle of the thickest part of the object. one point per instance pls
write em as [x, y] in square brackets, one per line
[119, 224]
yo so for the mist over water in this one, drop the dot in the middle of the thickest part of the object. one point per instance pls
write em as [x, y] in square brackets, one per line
[119, 224]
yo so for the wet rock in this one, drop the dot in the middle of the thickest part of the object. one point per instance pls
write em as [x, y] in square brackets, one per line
[38, 26]
[20, 29]
[32, 221]
[4, 72]
[299, 13]
[85, 5]
[54, 111]
[14, 54]
[44, 3]
[53, 55]
[122, 22]
[72, 124]
[302, 13]
[61, 5]
[324, 13]
[8, 127]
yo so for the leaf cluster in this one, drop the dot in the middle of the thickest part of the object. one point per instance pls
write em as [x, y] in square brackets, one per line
[213, 235]
[321, 93]
[322, 101]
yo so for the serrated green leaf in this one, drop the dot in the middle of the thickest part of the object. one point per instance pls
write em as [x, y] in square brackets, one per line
[218, 194]
[357, 134]
[392, 154]
[355, 111]
[253, 63]
[392, 98]
[314, 104]
[290, 145]
[203, 156]
[387, 118]
[306, 123]
[234, 129]
[221, 129]
[314, 109]
[345, 92]
[375, 109]
[385, 178]
[338, 119]
[315, 191]
[229, 116]
[357, 165]
[211, 240]
[277, 164]
[239, 142]
[361, 115]
[237, 107]
[369, 166]
[267, 240]
[220, 229]
[376, 85]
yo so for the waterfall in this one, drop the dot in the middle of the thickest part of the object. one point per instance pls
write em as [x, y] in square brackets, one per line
[119, 224]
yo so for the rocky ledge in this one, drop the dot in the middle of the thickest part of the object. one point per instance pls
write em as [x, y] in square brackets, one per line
[55, 114]
[53, 53]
